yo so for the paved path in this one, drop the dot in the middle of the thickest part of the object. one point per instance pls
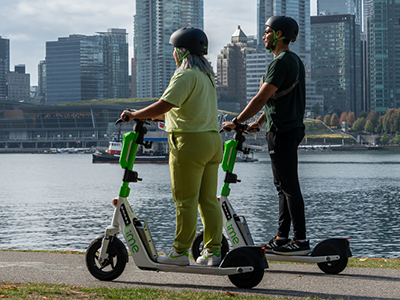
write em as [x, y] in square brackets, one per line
[279, 280]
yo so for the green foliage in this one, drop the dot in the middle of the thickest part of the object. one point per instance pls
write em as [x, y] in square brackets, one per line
[316, 108]
[363, 114]
[396, 139]
[359, 124]
[335, 120]
[316, 127]
[385, 138]
[369, 126]
[327, 120]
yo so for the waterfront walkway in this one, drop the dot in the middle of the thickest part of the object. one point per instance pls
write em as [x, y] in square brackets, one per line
[280, 280]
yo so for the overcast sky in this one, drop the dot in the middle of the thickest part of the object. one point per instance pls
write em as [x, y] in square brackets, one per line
[30, 23]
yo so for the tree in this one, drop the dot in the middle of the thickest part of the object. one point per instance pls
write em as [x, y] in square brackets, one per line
[385, 138]
[335, 120]
[379, 126]
[359, 124]
[343, 118]
[316, 108]
[388, 120]
[396, 139]
[363, 114]
[373, 117]
[319, 118]
[351, 118]
[369, 126]
[327, 120]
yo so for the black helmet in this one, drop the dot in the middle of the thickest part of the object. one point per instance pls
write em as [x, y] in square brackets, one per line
[193, 39]
[287, 25]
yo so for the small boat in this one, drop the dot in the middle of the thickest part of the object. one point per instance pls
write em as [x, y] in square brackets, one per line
[112, 154]
[246, 157]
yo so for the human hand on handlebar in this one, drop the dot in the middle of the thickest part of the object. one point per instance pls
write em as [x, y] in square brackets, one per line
[127, 116]
[228, 126]
[253, 127]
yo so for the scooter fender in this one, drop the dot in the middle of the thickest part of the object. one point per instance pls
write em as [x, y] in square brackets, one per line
[243, 256]
[332, 247]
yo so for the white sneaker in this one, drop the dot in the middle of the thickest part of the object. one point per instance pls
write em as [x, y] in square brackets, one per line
[209, 258]
[172, 257]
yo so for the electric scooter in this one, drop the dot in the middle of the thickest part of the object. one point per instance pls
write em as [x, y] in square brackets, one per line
[106, 256]
[331, 255]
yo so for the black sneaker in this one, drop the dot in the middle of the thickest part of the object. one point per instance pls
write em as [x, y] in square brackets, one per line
[275, 243]
[294, 247]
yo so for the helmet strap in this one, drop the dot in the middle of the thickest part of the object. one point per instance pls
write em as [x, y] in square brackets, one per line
[179, 56]
[275, 41]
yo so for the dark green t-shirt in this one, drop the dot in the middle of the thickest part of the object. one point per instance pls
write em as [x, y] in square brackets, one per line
[286, 112]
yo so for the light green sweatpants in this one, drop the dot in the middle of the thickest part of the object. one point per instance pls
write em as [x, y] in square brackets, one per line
[194, 159]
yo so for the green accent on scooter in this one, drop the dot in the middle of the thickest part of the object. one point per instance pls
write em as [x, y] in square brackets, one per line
[228, 162]
[127, 158]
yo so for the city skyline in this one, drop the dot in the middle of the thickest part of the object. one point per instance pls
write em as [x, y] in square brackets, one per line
[29, 25]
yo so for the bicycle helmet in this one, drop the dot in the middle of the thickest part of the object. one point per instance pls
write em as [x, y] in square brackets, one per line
[193, 39]
[288, 26]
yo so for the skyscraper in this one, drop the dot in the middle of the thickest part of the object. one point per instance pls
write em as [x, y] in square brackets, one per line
[82, 67]
[383, 39]
[340, 7]
[154, 22]
[42, 81]
[336, 57]
[75, 69]
[231, 73]
[116, 65]
[4, 64]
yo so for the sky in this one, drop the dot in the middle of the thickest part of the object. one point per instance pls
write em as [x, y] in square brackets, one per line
[29, 24]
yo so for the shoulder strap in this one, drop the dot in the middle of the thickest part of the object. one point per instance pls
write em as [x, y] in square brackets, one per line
[288, 90]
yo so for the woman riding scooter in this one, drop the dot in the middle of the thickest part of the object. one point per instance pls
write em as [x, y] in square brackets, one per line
[191, 118]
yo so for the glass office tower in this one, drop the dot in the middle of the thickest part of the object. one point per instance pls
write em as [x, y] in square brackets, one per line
[154, 22]
[383, 41]
[4, 65]
[82, 67]
[116, 65]
[336, 57]
[75, 69]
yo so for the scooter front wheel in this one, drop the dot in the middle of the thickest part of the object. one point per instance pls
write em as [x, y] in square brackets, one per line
[198, 246]
[114, 265]
[245, 257]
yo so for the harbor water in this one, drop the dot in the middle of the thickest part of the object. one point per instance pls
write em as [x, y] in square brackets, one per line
[61, 202]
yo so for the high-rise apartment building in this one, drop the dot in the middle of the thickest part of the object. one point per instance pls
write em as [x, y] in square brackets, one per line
[383, 39]
[116, 65]
[81, 67]
[336, 57]
[42, 81]
[341, 7]
[5, 52]
[4, 64]
[154, 22]
[231, 73]
[18, 84]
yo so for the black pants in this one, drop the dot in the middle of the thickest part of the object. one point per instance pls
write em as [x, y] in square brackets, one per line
[282, 148]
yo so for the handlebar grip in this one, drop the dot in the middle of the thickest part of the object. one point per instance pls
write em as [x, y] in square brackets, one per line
[126, 119]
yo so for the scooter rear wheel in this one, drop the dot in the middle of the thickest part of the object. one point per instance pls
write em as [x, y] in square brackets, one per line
[113, 267]
[331, 247]
[198, 246]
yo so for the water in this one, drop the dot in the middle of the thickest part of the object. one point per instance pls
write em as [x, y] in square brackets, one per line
[61, 202]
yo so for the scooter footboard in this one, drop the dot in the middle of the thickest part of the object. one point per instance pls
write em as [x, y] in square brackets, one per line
[246, 256]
